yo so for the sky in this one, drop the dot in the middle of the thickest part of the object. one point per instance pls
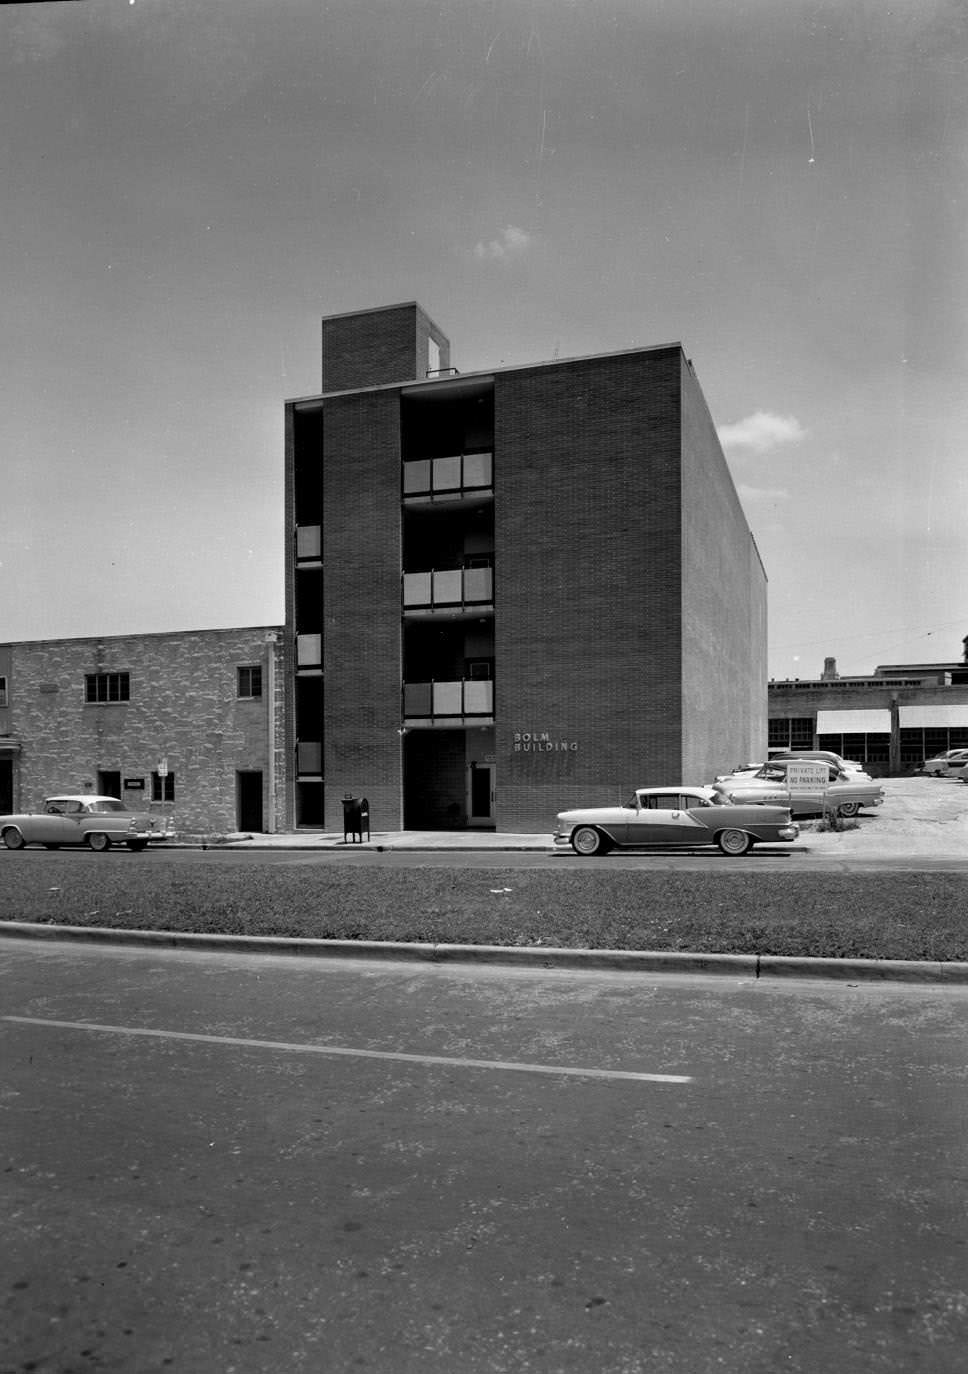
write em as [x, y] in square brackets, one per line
[188, 186]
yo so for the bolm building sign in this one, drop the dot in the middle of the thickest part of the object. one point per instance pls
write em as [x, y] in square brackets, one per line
[541, 742]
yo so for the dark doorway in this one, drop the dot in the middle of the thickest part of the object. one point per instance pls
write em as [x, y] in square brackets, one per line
[109, 783]
[6, 786]
[480, 809]
[248, 801]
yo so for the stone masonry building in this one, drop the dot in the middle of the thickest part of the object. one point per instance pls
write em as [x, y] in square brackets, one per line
[189, 722]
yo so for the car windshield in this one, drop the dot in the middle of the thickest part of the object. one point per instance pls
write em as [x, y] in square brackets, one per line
[105, 807]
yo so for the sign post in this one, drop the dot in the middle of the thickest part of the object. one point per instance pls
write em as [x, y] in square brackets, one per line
[811, 776]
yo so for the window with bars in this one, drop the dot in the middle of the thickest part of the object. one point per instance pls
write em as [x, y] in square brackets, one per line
[250, 681]
[162, 788]
[3, 691]
[107, 687]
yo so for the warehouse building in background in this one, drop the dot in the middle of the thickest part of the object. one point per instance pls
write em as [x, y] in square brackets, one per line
[512, 591]
[891, 720]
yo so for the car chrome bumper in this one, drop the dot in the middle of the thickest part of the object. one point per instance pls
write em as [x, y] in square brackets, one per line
[788, 832]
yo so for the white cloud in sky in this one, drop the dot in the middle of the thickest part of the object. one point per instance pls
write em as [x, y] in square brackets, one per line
[512, 242]
[748, 493]
[761, 432]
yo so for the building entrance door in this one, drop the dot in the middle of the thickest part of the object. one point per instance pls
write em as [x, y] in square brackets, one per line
[480, 794]
[6, 786]
[109, 782]
[248, 801]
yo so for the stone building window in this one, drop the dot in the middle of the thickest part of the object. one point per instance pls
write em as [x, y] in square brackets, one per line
[3, 691]
[162, 788]
[106, 687]
[250, 681]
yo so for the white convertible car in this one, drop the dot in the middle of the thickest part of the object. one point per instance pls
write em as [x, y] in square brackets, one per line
[673, 817]
[98, 822]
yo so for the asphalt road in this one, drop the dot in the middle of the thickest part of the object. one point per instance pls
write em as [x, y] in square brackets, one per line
[762, 859]
[239, 1164]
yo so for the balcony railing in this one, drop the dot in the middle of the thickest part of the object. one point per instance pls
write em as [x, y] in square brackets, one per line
[458, 475]
[309, 651]
[309, 542]
[449, 589]
[451, 700]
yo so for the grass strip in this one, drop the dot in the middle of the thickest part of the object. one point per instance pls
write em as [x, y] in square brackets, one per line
[889, 916]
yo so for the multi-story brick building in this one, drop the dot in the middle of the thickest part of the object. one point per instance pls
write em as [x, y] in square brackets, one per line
[510, 591]
[189, 721]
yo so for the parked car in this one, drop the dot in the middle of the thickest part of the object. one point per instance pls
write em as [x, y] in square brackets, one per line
[98, 822]
[673, 816]
[818, 755]
[949, 764]
[844, 792]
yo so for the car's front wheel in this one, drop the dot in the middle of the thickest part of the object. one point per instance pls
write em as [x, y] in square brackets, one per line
[734, 842]
[12, 838]
[848, 808]
[98, 841]
[586, 840]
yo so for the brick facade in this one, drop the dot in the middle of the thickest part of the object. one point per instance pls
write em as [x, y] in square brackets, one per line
[361, 611]
[724, 643]
[587, 577]
[374, 347]
[184, 706]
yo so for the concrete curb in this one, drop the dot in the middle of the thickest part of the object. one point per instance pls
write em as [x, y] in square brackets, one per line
[755, 966]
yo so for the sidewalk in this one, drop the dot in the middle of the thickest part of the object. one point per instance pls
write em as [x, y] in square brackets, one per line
[391, 839]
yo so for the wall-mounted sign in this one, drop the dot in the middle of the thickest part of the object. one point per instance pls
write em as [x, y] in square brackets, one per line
[134, 784]
[541, 742]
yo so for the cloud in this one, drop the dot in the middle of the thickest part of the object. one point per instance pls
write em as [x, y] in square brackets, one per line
[761, 432]
[512, 242]
[748, 493]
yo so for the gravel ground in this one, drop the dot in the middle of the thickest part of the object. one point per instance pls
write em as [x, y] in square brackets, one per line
[926, 817]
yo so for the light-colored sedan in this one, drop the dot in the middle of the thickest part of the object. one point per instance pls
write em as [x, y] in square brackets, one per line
[821, 755]
[843, 793]
[98, 822]
[950, 764]
[667, 817]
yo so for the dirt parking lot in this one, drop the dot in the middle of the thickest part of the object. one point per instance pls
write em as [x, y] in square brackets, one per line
[920, 816]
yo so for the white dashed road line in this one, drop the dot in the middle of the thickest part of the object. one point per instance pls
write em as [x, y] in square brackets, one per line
[296, 1048]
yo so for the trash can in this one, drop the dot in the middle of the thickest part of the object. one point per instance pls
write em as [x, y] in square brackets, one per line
[356, 819]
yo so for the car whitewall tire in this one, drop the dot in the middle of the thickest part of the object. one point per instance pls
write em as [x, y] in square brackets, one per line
[587, 841]
[734, 842]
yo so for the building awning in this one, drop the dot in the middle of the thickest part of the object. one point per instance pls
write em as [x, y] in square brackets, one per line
[874, 722]
[9, 746]
[933, 717]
